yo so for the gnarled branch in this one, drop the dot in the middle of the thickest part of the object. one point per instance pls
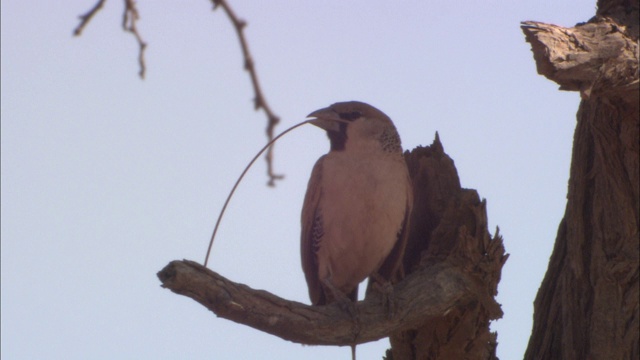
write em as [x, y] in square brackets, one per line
[430, 292]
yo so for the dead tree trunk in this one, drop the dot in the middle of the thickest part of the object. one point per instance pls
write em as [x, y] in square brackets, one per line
[587, 305]
[449, 225]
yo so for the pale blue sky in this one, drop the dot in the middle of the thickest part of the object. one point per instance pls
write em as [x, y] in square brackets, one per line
[107, 178]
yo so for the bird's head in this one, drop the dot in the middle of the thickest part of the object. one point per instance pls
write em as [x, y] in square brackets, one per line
[355, 125]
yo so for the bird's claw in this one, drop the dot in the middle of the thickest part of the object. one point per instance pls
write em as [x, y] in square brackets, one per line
[387, 298]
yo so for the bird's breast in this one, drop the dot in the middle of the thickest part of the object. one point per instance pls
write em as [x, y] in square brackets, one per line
[363, 206]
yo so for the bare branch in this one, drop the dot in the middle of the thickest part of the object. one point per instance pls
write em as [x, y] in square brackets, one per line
[431, 292]
[129, 18]
[260, 101]
[84, 19]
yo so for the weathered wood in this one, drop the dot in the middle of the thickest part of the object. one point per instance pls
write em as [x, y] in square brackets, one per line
[429, 293]
[587, 305]
[596, 58]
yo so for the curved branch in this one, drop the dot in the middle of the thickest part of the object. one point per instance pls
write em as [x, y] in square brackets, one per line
[431, 292]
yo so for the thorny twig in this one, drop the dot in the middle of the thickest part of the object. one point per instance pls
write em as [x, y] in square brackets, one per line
[259, 100]
[129, 18]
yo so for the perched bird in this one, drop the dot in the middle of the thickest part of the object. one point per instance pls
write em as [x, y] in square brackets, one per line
[357, 206]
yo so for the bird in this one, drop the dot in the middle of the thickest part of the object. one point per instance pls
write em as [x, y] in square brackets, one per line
[356, 210]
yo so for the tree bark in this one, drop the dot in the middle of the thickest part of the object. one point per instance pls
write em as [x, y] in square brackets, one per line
[424, 295]
[440, 310]
[587, 305]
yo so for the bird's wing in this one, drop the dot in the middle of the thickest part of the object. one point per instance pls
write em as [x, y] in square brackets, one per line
[312, 233]
[392, 269]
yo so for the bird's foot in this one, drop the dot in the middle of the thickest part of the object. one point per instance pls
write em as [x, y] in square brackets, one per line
[349, 307]
[385, 288]
[346, 304]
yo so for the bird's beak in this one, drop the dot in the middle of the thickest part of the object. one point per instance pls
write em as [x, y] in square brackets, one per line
[326, 119]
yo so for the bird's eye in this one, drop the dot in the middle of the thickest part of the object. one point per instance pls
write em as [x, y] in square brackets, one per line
[350, 115]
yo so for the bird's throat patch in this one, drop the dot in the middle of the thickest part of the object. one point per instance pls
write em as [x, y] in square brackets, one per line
[338, 138]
